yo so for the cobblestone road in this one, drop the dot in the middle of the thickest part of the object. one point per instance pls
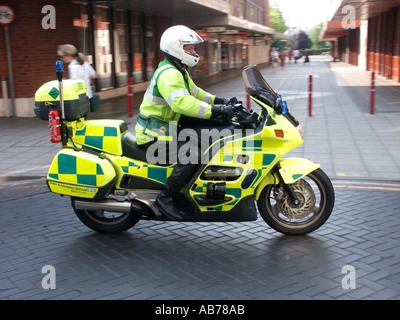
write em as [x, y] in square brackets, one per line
[200, 261]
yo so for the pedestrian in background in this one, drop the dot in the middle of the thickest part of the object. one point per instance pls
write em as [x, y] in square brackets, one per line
[274, 59]
[306, 57]
[282, 57]
[80, 68]
[67, 53]
[296, 55]
[290, 55]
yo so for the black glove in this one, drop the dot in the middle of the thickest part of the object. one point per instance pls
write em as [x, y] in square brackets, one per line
[233, 101]
[219, 100]
[222, 112]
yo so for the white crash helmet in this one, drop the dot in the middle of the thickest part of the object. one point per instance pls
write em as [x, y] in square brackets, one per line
[174, 38]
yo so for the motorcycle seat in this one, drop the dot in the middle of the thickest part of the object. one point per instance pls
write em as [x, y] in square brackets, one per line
[130, 148]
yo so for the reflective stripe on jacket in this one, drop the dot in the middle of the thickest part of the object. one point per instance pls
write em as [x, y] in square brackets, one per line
[169, 96]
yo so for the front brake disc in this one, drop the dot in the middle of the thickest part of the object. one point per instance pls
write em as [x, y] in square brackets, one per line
[305, 195]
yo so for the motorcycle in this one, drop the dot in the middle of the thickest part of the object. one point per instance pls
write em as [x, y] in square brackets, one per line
[113, 186]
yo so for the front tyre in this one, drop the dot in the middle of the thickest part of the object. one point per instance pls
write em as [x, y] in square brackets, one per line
[316, 200]
[107, 222]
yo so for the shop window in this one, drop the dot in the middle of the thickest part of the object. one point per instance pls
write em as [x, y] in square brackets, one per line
[83, 34]
[137, 47]
[102, 43]
[121, 47]
[150, 47]
[228, 52]
[244, 55]
[200, 69]
[214, 57]
[231, 50]
[238, 56]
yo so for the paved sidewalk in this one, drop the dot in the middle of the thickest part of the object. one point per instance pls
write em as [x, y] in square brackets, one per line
[341, 134]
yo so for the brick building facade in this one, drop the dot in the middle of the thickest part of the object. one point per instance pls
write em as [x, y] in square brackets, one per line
[120, 39]
[366, 33]
[33, 49]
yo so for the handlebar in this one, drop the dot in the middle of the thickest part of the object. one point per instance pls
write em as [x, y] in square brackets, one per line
[232, 101]
[246, 118]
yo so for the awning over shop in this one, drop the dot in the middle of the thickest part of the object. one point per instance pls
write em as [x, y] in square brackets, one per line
[350, 13]
[197, 14]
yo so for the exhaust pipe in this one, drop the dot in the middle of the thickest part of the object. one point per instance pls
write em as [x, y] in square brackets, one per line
[106, 205]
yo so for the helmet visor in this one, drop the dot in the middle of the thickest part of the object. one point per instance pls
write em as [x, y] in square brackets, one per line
[192, 38]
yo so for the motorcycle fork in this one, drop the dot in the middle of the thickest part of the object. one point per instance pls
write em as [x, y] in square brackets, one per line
[287, 187]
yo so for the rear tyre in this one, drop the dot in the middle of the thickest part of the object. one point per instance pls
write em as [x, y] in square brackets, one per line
[107, 222]
[316, 196]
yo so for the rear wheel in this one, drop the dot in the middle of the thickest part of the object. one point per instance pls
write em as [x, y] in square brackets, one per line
[107, 222]
[316, 200]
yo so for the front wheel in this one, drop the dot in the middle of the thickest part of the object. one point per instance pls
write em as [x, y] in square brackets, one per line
[316, 200]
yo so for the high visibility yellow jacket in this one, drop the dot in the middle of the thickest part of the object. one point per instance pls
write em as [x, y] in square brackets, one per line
[167, 97]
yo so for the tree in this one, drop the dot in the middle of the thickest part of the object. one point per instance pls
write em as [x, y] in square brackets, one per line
[300, 40]
[276, 20]
[278, 23]
[314, 37]
[304, 41]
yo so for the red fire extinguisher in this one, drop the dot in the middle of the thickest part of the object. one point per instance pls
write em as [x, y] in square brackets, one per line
[55, 126]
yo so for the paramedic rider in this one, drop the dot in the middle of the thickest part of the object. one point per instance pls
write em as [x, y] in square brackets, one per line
[170, 97]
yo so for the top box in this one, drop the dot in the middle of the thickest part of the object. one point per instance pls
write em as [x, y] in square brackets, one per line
[75, 96]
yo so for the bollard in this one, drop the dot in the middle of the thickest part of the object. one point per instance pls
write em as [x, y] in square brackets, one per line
[4, 90]
[310, 95]
[372, 100]
[130, 97]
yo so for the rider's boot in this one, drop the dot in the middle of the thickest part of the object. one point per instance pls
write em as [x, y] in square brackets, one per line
[165, 200]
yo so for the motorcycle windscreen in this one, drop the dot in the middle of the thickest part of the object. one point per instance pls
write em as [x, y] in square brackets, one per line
[80, 174]
[257, 87]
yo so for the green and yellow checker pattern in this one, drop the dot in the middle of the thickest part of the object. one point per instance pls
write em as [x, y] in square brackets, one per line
[103, 135]
[259, 152]
[75, 168]
[259, 156]
[256, 150]
[141, 169]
